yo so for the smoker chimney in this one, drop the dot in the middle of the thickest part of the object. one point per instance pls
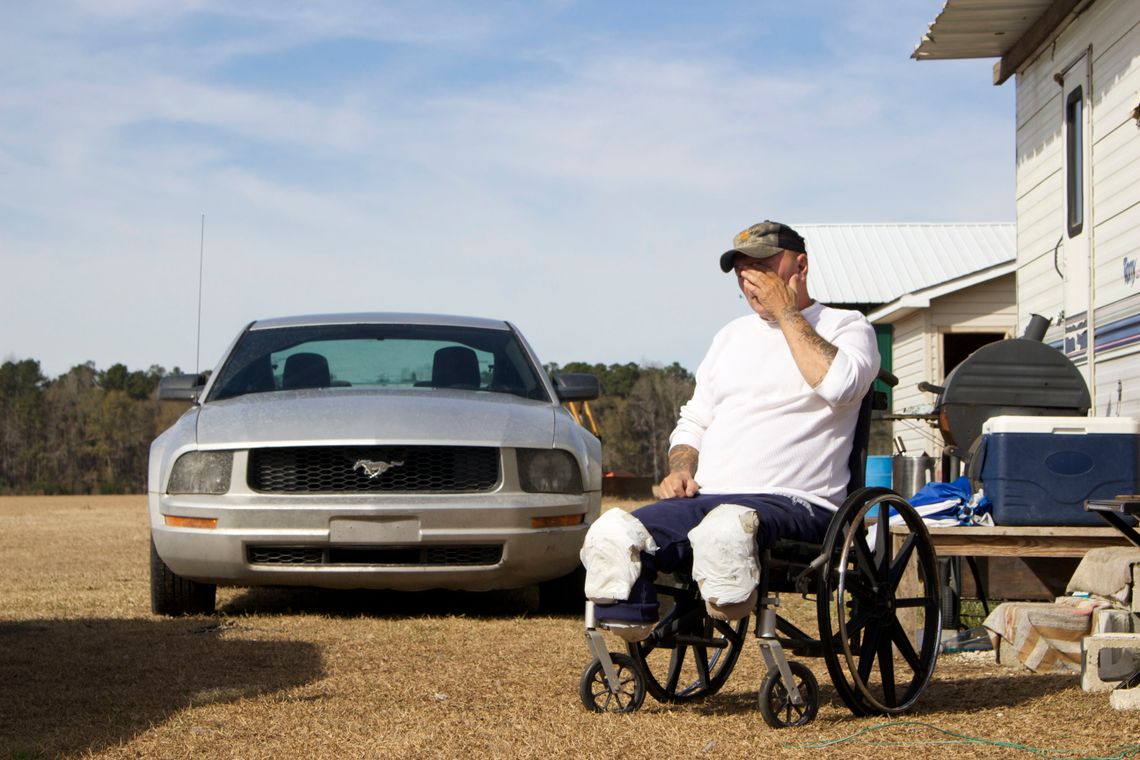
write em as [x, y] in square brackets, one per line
[1036, 328]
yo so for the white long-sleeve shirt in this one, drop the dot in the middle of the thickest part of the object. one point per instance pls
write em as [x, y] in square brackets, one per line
[759, 426]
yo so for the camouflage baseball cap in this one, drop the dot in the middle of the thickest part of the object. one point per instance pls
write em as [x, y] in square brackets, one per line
[761, 241]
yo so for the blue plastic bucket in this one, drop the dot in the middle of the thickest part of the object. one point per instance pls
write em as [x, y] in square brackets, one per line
[879, 471]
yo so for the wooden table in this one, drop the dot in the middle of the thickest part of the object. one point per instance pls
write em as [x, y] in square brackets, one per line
[1001, 541]
[1007, 541]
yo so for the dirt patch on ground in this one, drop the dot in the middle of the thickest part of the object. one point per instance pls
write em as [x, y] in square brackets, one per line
[88, 671]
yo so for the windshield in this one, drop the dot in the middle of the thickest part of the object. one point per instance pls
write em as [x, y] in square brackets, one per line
[378, 356]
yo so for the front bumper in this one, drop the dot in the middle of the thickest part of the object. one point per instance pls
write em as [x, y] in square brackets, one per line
[372, 541]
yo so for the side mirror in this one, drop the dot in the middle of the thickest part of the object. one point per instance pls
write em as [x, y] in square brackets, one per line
[576, 386]
[181, 387]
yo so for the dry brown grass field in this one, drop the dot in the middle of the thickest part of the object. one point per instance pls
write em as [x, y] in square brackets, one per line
[87, 671]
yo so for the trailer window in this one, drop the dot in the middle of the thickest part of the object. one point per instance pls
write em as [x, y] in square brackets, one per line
[1074, 164]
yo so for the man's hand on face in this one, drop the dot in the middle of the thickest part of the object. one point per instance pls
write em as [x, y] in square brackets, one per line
[679, 485]
[767, 287]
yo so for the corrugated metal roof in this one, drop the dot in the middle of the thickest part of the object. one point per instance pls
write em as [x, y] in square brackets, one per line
[978, 28]
[877, 263]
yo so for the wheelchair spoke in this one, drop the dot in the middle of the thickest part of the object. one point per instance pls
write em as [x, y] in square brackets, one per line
[887, 669]
[676, 661]
[883, 544]
[701, 660]
[727, 631]
[898, 567]
[902, 641]
[857, 623]
[913, 601]
[867, 652]
[863, 555]
[859, 588]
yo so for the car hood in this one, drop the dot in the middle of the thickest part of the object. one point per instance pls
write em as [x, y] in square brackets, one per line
[364, 417]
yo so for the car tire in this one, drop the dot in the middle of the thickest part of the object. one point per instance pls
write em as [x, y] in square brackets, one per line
[563, 595]
[172, 595]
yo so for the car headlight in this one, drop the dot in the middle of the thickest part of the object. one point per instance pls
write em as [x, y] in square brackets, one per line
[549, 471]
[201, 472]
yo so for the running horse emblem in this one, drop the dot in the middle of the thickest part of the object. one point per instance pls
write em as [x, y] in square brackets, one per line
[374, 469]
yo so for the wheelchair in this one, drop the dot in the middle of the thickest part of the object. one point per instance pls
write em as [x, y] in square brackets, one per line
[869, 596]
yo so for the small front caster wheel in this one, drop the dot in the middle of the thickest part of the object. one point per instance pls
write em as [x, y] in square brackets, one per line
[776, 703]
[595, 693]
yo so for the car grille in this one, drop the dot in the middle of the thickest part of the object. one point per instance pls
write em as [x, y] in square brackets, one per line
[459, 554]
[344, 469]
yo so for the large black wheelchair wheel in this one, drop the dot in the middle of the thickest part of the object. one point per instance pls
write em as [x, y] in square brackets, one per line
[689, 655]
[871, 597]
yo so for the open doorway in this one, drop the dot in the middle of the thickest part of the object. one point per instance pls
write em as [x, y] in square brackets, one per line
[956, 346]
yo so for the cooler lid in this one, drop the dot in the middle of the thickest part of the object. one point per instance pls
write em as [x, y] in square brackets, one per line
[1010, 423]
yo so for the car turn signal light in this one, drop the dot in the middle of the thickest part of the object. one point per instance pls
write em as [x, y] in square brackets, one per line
[561, 521]
[174, 521]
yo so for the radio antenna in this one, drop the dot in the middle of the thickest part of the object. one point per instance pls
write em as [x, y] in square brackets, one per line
[201, 252]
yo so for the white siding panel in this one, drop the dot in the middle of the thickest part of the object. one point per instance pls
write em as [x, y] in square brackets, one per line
[1118, 386]
[1040, 218]
[987, 307]
[1035, 88]
[1115, 71]
[911, 364]
[1038, 290]
[1039, 149]
[1116, 239]
[1116, 171]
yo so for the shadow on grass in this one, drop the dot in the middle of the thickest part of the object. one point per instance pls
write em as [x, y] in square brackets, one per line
[70, 686]
[382, 604]
[958, 695]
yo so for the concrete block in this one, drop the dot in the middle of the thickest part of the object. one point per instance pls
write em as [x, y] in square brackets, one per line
[1125, 699]
[1112, 620]
[1136, 588]
[1108, 658]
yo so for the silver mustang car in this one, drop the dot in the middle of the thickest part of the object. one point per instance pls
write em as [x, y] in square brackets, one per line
[384, 451]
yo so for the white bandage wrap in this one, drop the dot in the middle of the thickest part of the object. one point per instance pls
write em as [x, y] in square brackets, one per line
[725, 562]
[611, 555]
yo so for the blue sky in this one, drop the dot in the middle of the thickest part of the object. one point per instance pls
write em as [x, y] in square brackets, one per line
[573, 167]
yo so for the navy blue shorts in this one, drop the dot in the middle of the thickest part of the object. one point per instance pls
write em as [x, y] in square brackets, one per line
[670, 520]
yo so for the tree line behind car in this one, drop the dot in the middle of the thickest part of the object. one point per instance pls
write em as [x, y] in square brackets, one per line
[89, 430]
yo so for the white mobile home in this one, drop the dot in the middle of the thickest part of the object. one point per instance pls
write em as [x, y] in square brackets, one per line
[1076, 65]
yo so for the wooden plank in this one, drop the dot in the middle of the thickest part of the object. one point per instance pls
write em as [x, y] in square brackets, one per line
[1004, 541]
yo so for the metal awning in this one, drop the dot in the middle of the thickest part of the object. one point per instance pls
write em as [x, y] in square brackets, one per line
[1012, 30]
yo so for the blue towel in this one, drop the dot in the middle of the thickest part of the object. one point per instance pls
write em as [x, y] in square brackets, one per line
[945, 501]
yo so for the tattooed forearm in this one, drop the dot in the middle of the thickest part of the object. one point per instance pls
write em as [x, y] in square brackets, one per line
[812, 354]
[683, 458]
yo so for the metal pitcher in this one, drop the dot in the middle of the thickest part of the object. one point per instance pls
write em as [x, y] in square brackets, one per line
[910, 472]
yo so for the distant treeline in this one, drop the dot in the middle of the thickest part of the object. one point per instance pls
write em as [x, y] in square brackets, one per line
[89, 430]
[86, 431]
[637, 411]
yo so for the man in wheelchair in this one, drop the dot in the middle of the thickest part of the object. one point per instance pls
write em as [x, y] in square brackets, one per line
[770, 423]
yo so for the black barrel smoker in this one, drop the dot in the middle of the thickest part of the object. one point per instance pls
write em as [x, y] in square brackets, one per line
[1017, 376]
[1021, 376]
